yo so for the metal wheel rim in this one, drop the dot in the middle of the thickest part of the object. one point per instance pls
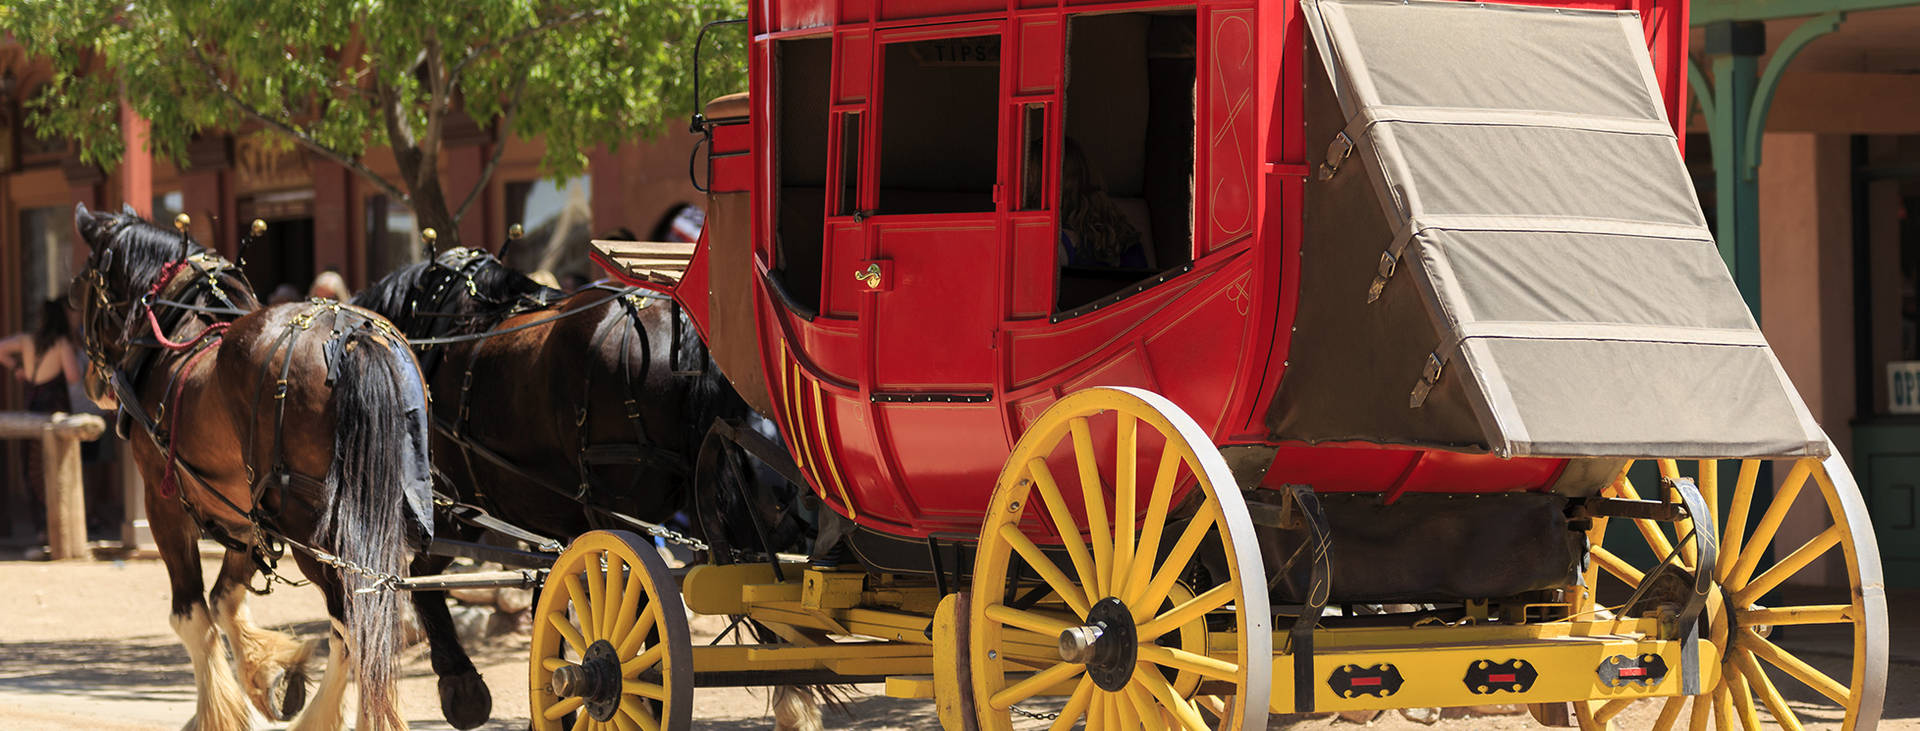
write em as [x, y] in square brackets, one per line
[612, 586]
[1002, 636]
[1752, 664]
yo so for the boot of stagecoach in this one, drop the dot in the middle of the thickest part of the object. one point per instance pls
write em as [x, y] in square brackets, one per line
[1158, 365]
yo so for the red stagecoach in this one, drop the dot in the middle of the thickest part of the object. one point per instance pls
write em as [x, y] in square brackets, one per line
[1170, 363]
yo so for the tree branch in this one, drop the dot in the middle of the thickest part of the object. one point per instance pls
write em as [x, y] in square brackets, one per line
[213, 77]
[499, 146]
[486, 48]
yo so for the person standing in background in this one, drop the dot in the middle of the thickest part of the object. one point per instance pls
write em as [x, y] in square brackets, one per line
[44, 360]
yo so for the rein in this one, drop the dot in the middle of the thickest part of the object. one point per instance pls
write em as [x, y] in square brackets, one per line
[451, 339]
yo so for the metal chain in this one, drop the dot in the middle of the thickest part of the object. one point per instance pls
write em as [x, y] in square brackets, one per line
[382, 581]
[1033, 715]
[668, 534]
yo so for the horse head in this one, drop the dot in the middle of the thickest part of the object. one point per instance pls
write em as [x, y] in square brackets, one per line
[460, 289]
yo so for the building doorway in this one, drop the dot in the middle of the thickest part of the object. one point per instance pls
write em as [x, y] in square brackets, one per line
[1886, 437]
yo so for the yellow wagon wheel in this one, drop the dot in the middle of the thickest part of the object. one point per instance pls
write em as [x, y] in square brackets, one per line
[1802, 531]
[1110, 640]
[610, 643]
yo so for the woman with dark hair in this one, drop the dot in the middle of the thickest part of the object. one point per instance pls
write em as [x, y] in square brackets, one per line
[44, 359]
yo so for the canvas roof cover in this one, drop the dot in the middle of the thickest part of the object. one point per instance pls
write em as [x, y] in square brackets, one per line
[1503, 250]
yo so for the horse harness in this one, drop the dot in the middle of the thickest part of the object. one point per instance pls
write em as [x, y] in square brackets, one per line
[211, 274]
[456, 269]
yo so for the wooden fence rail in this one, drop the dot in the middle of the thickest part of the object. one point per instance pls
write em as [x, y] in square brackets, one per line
[60, 436]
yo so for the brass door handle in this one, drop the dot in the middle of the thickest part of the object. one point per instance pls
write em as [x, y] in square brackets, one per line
[870, 275]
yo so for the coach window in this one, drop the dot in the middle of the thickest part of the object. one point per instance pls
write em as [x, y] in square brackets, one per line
[801, 75]
[938, 125]
[1126, 167]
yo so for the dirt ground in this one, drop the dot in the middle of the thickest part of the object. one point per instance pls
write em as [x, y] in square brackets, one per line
[86, 645]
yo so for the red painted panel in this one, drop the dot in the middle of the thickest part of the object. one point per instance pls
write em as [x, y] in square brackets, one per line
[732, 138]
[796, 14]
[902, 9]
[853, 67]
[1202, 345]
[1039, 56]
[1030, 408]
[1129, 367]
[855, 11]
[831, 348]
[940, 449]
[933, 328]
[846, 244]
[731, 173]
[1033, 269]
[1229, 57]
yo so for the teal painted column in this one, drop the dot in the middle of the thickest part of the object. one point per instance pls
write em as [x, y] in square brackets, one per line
[1733, 49]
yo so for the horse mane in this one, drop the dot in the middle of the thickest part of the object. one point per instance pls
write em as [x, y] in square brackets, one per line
[142, 251]
[501, 291]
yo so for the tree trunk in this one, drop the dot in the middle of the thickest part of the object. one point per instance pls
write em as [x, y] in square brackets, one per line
[430, 210]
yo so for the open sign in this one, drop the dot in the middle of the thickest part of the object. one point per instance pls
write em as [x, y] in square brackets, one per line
[1903, 387]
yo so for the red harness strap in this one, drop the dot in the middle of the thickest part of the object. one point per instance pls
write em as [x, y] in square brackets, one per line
[169, 480]
[153, 321]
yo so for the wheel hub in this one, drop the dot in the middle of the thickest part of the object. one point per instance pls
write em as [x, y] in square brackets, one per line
[1106, 644]
[596, 680]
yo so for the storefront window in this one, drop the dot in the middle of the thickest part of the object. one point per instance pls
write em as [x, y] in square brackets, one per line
[393, 241]
[46, 244]
[558, 219]
[167, 205]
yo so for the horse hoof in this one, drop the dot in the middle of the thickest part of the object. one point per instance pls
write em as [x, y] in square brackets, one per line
[288, 693]
[465, 700]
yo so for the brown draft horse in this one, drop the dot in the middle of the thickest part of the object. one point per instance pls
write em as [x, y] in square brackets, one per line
[301, 425]
[552, 412]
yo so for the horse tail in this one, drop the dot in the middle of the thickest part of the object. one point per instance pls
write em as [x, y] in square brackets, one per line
[379, 462]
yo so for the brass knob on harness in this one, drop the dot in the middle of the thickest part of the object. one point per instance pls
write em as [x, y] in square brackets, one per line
[259, 227]
[181, 222]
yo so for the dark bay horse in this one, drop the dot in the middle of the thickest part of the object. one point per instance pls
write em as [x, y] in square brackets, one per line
[552, 412]
[297, 428]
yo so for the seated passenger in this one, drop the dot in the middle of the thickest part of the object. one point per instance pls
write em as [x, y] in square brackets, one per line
[1094, 233]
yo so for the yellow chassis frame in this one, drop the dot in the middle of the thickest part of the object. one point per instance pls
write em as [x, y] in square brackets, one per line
[834, 624]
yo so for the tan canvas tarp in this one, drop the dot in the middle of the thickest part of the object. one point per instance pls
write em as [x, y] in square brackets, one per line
[1504, 252]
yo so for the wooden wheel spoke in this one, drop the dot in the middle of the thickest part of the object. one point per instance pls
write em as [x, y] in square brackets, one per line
[624, 722]
[637, 635]
[635, 710]
[1733, 537]
[1723, 707]
[1029, 621]
[627, 614]
[1183, 660]
[1063, 524]
[1649, 530]
[1669, 713]
[1769, 524]
[597, 607]
[617, 581]
[1153, 528]
[1068, 591]
[1078, 704]
[1141, 703]
[567, 632]
[644, 660]
[582, 607]
[1611, 708]
[1033, 684]
[1701, 713]
[563, 707]
[1763, 686]
[1188, 611]
[1794, 666]
[1783, 616]
[585, 722]
[1183, 709]
[1806, 554]
[1126, 486]
[1742, 699]
[1123, 714]
[643, 689]
[1093, 494]
[553, 663]
[1179, 558]
[1617, 566]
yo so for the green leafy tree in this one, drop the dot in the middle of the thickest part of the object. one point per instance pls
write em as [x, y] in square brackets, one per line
[339, 76]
